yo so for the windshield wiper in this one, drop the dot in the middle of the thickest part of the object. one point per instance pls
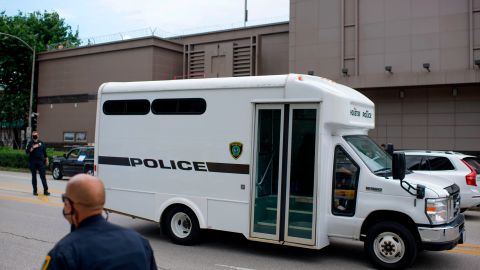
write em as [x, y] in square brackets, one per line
[382, 170]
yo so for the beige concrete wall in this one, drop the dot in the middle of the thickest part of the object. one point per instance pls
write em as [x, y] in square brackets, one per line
[403, 34]
[55, 119]
[430, 117]
[166, 64]
[84, 74]
[273, 54]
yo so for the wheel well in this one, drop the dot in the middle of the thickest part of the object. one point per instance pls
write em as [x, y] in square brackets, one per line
[379, 216]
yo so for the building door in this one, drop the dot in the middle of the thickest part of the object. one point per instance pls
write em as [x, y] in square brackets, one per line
[284, 177]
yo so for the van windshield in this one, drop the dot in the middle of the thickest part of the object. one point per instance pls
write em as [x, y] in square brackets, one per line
[376, 159]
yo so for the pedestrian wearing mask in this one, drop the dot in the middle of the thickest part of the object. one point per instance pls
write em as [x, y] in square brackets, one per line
[95, 243]
[38, 160]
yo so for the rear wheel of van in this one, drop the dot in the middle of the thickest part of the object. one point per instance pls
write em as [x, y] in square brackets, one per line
[182, 226]
[390, 245]
[57, 172]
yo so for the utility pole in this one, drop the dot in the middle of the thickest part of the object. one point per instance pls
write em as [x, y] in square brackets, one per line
[246, 15]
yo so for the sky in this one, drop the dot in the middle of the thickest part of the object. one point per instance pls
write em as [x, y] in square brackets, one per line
[96, 18]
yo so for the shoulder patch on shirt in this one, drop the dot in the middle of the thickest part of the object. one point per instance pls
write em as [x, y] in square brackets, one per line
[46, 263]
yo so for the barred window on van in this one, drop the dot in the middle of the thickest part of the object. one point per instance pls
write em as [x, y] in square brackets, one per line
[179, 106]
[126, 107]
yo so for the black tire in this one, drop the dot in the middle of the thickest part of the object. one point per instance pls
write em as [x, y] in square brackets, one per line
[57, 172]
[390, 245]
[181, 226]
[89, 171]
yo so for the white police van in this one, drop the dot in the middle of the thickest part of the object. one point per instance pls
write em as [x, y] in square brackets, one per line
[280, 159]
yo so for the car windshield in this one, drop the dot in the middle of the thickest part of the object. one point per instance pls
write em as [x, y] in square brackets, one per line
[376, 159]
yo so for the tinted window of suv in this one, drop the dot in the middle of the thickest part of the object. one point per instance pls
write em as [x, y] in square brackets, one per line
[440, 164]
[416, 163]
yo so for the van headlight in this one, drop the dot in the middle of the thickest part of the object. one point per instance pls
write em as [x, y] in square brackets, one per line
[437, 210]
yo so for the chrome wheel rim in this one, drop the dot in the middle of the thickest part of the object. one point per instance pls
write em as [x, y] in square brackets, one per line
[389, 247]
[181, 225]
[56, 172]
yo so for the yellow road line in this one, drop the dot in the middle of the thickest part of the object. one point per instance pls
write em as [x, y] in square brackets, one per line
[469, 245]
[37, 200]
[466, 252]
[24, 187]
[467, 249]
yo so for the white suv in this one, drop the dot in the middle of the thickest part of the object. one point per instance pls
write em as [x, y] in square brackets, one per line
[462, 169]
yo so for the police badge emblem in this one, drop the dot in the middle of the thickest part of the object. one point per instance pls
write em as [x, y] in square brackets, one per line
[236, 149]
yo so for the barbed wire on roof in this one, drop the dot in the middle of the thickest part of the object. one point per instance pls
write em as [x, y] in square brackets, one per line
[157, 32]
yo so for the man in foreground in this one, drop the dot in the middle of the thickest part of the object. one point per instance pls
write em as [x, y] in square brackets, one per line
[93, 242]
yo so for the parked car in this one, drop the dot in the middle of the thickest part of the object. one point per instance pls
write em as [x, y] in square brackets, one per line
[77, 160]
[463, 169]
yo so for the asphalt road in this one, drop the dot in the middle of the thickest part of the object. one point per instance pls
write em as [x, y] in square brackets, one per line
[30, 226]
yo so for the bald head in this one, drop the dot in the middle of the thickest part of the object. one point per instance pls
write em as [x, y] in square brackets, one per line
[86, 192]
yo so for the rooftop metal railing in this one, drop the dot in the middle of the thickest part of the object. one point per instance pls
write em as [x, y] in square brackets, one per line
[157, 32]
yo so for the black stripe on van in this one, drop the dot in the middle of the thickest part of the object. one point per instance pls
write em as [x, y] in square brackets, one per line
[120, 161]
[228, 168]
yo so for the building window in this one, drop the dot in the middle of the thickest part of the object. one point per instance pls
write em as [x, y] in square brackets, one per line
[80, 137]
[75, 136]
[126, 107]
[179, 106]
[69, 136]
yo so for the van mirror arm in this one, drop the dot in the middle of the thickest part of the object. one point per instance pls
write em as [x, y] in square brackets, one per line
[398, 172]
[419, 191]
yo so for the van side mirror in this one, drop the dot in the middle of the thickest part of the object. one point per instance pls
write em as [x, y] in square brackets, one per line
[398, 165]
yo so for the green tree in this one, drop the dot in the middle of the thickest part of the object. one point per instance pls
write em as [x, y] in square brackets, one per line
[38, 30]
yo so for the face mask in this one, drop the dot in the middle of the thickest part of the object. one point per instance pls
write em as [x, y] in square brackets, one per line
[35, 137]
[68, 216]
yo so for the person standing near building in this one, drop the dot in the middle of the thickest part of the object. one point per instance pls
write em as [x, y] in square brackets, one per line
[95, 243]
[38, 160]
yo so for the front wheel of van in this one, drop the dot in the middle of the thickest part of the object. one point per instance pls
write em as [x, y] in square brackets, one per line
[390, 245]
[182, 226]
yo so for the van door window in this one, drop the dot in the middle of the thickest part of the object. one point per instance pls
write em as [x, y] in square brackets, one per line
[345, 183]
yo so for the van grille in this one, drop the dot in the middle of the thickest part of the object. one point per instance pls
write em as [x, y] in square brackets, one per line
[453, 201]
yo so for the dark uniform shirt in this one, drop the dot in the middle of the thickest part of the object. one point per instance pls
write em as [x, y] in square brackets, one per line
[39, 153]
[98, 244]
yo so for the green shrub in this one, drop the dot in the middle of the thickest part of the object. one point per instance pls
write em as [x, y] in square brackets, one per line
[13, 158]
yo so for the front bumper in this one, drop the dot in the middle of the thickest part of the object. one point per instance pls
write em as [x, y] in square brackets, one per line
[444, 237]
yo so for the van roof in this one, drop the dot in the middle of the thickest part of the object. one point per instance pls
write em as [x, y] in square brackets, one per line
[198, 84]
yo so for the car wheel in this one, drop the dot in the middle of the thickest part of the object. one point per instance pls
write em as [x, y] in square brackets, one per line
[89, 171]
[390, 245]
[182, 226]
[57, 172]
